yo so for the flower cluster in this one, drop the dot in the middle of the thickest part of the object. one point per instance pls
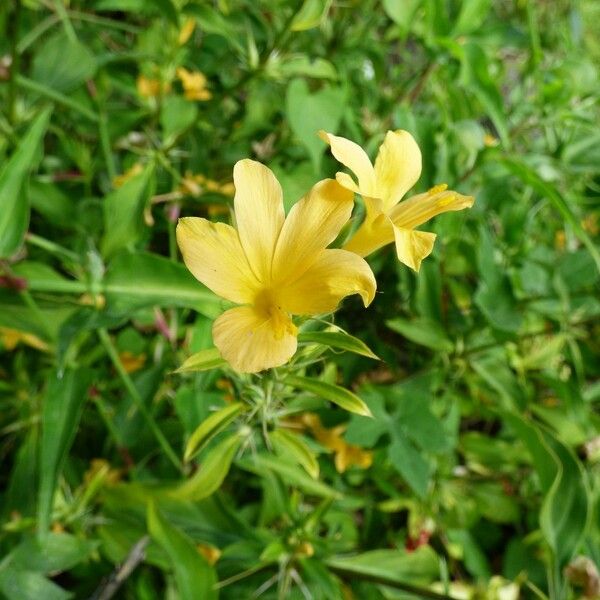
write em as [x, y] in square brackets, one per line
[276, 266]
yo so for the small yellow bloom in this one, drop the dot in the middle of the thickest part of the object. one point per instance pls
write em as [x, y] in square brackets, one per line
[273, 266]
[10, 338]
[210, 553]
[186, 31]
[196, 185]
[346, 454]
[151, 88]
[490, 141]
[194, 84]
[397, 168]
[119, 180]
[132, 362]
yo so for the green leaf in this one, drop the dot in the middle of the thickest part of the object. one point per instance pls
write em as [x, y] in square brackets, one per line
[471, 16]
[401, 12]
[63, 404]
[290, 474]
[176, 116]
[310, 15]
[567, 505]
[53, 553]
[529, 177]
[123, 211]
[14, 206]
[475, 76]
[338, 395]
[389, 566]
[409, 462]
[424, 332]
[211, 426]
[62, 63]
[194, 577]
[308, 112]
[142, 279]
[16, 584]
[212, 471]
[338, 340]
[292, 446]
[207, 359]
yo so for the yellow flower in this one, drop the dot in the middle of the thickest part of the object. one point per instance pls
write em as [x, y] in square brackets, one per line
[194, 84]
[151, 88]
[272, 265]
[186, 31]
[397, 168]
[10, 338]
[346, 454]
[120, 180]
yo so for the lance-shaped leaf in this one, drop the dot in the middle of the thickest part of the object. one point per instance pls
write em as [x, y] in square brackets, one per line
[291, 445]
[338, 340]
[334, 393]
[210, 427]
[206, 359]
[14, 204]
[194, 577]
[212, 471]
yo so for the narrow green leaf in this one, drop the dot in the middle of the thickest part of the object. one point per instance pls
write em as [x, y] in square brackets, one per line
[423, 332]
[211, 426]
[390, 566]
[338, 340]
[338, 395]
[291, 475]
[123, 212]
[310, 15]
[212, 471]
[209, 358]
[528, 176]
[29, 585]
[14, 206]
[61, 412]
[194, 577]
[292, 446]
[471, 16]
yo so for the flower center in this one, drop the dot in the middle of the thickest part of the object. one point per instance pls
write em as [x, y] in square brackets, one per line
[265, 304]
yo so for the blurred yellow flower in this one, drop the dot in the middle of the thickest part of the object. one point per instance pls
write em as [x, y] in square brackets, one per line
[151, 88]
[397, 168]
[196, 185]
[119, 180]
[194, 84]
[346, 454]
[10, 338]
[272, 265]
[132, 362]
[186, 31]
[210, 553]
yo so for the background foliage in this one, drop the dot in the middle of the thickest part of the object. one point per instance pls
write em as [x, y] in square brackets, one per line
[484, 451]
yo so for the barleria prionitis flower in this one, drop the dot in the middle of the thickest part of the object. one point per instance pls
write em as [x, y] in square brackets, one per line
[397, 168]
[273, 266]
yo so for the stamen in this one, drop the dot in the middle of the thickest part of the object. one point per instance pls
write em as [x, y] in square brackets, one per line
[436, 189]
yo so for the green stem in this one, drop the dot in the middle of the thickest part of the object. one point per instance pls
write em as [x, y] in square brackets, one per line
[105, 414]
[137, 399]
[51, 247]
[105, 142]
[68, 26]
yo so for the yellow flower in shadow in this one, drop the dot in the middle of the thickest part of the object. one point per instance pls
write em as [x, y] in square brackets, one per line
[274, 266]
[194, 84]
[151, 88]
[397, 168]
[346, 455]
[11, 338]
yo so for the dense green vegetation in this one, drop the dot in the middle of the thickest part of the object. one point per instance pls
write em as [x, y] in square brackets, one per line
[478, 475]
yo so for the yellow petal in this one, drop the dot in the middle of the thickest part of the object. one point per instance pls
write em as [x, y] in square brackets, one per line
[313, 223]
[413, 246]
[417, 210]
[214, 255]
[334, 275]
[186, 31]
[397, 167]
[259, 214]
[249, 342]
[355, 158]
[376, 231]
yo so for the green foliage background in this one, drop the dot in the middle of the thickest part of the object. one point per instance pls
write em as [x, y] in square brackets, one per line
[485, 436]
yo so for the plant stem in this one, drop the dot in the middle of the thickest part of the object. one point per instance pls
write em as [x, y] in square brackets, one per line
[13, 27]
[137, 399]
